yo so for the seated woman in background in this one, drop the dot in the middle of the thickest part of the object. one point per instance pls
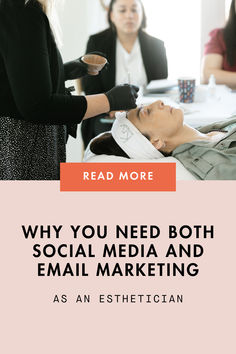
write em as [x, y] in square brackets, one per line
[157, 130]
[220, 53]
[133, 55]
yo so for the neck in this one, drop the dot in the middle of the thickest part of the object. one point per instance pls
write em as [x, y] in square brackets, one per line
[127, 40]
[186, 134]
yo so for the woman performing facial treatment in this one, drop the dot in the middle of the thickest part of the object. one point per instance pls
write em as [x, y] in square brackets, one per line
[158, 130]
[37, 112]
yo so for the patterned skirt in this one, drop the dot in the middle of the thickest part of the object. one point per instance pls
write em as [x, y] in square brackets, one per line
[30, 151]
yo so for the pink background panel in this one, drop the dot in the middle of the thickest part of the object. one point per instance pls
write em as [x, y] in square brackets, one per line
[31, 323]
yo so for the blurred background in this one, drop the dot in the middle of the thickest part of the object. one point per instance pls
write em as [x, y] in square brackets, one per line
[183, 25]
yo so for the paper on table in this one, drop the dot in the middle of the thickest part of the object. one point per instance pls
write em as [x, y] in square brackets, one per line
[161, 85]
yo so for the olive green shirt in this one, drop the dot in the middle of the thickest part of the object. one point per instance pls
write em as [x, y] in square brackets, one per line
[211, 160]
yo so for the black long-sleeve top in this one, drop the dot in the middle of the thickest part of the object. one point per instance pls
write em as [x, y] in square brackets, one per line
[32, 74]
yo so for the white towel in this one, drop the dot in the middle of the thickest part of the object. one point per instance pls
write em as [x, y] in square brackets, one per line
[131, 141]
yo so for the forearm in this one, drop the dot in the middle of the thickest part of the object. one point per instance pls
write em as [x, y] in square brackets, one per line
[96, 104]
[222, 77]
[78, 86]
[57, 109]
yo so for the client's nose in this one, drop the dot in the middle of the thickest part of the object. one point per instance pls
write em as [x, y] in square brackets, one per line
[160, 104]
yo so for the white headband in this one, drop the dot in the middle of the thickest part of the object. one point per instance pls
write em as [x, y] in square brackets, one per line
[131, 141]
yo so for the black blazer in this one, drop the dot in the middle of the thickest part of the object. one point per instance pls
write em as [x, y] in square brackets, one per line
[153, 53]
[154, 60]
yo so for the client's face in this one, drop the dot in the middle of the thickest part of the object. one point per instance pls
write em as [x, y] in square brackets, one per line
[157, 120]
[127, 16]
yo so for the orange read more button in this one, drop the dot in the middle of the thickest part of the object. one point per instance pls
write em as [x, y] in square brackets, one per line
[118, 176]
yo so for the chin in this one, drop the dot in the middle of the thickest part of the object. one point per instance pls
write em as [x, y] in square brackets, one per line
[132, 113]
[179, 117]
[130, 30]
[180, 114]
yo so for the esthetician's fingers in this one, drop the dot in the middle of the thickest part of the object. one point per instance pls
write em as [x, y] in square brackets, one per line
[122, 97]
[133, 96]
[136, 89]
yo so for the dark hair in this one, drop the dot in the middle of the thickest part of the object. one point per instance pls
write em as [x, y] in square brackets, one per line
[144, 21]
[229, 33]
[105, 144]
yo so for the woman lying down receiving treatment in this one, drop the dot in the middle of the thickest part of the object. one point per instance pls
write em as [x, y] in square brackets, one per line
[158, 130]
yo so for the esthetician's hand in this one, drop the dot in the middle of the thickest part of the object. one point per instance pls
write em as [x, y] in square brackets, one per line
[122, 97]
[75, 69]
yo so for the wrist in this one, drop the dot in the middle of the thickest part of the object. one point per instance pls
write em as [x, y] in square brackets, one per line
[107, 103]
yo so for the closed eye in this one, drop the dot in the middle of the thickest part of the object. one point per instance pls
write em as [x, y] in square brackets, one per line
[138, 111]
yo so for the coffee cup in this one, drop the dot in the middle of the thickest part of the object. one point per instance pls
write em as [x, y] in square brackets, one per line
[94, 62]
[186, 89]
